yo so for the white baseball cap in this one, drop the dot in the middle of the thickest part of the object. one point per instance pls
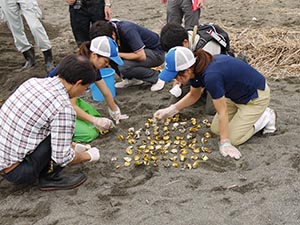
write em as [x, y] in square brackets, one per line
[177, 59]
[107, 47]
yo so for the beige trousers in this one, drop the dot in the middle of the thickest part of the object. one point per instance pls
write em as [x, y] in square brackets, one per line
[242, 117]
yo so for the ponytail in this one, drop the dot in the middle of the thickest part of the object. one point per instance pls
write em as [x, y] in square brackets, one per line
[84, 49]
[203, 59]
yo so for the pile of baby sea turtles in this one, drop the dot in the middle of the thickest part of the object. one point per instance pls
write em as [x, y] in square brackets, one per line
[175, 142]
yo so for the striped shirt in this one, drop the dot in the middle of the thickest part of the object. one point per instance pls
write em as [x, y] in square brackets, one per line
[38, 108]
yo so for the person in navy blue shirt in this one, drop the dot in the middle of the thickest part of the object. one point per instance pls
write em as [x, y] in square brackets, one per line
[240, 95]
[139, 48]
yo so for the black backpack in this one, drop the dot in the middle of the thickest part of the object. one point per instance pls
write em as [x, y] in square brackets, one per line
[209, 32]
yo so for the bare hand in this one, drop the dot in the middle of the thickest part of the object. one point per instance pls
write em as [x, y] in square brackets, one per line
[108, 13]
[200, 4]
[70, 2]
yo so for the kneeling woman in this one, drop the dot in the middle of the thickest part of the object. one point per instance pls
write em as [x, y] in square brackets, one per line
[88, 123]
[240, 95]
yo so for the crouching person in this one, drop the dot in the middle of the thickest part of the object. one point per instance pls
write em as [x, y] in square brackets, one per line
[36, 128]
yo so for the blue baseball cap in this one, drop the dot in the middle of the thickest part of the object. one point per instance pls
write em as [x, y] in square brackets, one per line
[177, 59]
[107, 47]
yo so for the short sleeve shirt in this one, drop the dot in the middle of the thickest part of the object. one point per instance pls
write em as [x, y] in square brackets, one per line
[134, 37]
[232, 78]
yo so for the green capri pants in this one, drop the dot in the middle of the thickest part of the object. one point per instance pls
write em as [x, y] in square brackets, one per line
[242, 117]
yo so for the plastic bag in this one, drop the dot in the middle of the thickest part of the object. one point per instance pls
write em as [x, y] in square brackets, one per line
[85, 131]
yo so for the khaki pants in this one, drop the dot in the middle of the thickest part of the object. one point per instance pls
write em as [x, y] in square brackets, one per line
[242, 117]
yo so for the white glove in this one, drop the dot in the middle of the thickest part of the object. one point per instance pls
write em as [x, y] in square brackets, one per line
[94, 154]
[117, 116]
[227, 149]
[176, 91]
[81, 147]
[166, 112]
[102, 123]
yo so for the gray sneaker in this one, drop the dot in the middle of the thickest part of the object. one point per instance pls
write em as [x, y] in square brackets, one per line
[127, 83]
[158, 85]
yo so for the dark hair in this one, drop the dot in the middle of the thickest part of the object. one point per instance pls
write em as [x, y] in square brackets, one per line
[172, 35]
[202, 61]
[101, 28]
[84, 49]
[76, 67]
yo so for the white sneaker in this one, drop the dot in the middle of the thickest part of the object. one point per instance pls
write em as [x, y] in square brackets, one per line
[127, 83]
[158, 85]
[271, 126]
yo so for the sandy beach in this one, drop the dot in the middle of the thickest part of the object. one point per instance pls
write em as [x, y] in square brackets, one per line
[261, 188]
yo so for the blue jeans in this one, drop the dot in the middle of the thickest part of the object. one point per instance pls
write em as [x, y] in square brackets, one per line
[30, 168]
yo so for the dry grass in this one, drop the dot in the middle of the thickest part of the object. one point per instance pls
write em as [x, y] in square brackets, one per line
[274, 52]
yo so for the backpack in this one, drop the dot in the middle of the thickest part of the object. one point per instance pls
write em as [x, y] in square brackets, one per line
[209, 32]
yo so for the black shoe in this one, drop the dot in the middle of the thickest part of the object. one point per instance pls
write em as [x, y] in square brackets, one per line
[30, 58]
[49, 65]
[61, 181]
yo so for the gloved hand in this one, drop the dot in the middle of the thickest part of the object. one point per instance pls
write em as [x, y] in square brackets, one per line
[102, 123]
[117, 116]
[81, 147]
[166, 112]
[94, 154]
[227, 149]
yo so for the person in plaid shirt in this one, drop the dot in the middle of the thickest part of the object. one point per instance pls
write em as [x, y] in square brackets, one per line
[36, 128]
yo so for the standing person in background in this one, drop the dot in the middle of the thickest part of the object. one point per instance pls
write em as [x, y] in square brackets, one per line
[189, 10]
[12, 10]
[83, 13]
[36, 128]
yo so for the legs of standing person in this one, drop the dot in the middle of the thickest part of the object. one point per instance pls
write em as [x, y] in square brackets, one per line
[242, 117]
[80, 24]
[191, 18]
[32, 165]
[32, 14]
[174, 11]
[142, 69]
[12, 14]
[177, 9]
[96, 10]
[82, 18]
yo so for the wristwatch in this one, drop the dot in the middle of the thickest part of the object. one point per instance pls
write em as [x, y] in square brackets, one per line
[108, 5]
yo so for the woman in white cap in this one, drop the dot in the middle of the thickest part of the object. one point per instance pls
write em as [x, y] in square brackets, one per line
[240, 95]
[89, 122]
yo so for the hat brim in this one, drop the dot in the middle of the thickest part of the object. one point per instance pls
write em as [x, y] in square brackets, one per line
[118, 60]
[167, 76]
